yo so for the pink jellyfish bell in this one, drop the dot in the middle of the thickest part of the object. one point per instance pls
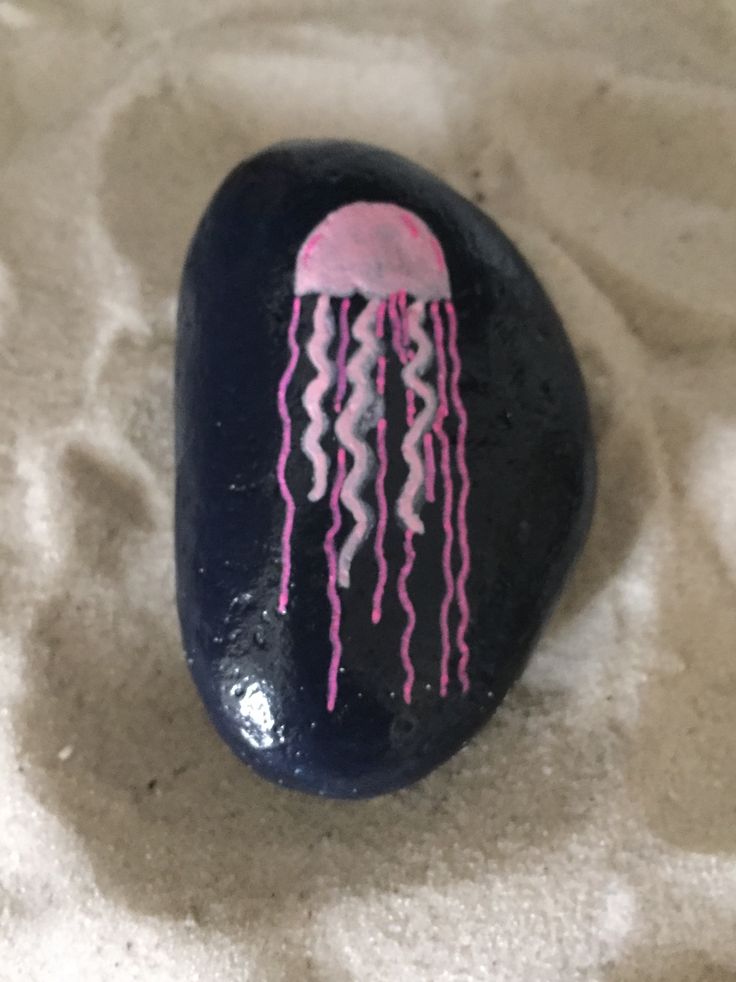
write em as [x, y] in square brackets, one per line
[389, 257]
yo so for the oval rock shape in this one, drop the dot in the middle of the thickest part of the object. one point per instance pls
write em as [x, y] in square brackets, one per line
[384, 466]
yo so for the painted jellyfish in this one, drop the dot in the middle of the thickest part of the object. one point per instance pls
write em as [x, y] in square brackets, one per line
[383, 262]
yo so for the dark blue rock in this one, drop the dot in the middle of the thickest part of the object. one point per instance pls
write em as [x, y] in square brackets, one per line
[384, 466]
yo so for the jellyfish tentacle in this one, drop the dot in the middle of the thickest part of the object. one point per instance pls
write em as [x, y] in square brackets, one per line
[332, 593]
[462, 527]
[397, 339]
[400, 346]
[342, 354]
[443, 412]
[404, 322]
[429, 467]
[284, 453]
[317, 350]
[412, 375]
[360, 415]
[381, 563]
[411, 409]
[381, 427]
[411, 618]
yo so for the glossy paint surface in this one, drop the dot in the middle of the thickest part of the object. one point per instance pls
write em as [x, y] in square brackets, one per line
[473, 428]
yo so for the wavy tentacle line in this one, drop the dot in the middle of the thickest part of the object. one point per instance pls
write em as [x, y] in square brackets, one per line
[382, 295]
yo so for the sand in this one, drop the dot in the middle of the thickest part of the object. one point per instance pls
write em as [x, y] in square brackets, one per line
[590, 832]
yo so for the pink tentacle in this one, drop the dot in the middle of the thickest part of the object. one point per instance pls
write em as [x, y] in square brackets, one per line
[332, 594]
[376, 612]
[284, 457]
[429, 467]
[411, 406]
[404, 322]
[411, 619]
[462, 431]
[400, 338]
[378, 545]
[448, 495]
[342, 354]
[396, 328]
[381, 320]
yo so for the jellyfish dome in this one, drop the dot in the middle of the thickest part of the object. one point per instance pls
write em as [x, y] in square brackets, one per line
[374, 249]
[382, 304]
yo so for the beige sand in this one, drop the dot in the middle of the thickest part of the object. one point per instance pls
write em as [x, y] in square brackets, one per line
[590, 833]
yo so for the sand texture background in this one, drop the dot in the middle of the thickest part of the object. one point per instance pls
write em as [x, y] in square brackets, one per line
[590, 832]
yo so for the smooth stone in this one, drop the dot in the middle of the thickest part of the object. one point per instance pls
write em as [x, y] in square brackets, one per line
[384, 466]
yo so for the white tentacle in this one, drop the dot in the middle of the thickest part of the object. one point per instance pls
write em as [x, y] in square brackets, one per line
[411, 374]
[358, 418]
[317, 348]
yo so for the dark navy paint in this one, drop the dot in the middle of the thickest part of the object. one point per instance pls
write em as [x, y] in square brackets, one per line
[262, 675]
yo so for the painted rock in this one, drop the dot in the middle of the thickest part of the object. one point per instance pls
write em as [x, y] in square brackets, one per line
[384, 466]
